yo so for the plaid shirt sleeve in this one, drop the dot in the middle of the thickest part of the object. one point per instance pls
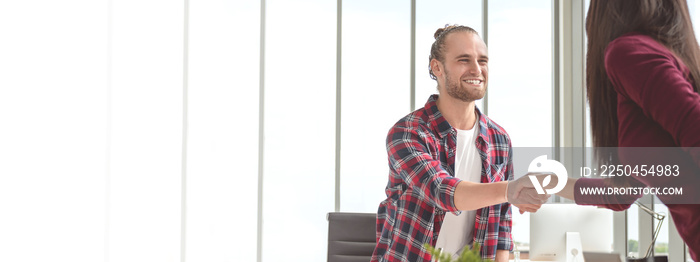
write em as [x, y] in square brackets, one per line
[419, 186]
[505, 239]
[409, 156]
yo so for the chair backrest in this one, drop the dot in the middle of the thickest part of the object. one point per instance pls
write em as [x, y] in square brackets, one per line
[351, 236]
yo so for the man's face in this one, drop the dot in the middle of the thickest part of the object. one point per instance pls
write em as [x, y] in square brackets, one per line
[465, 69]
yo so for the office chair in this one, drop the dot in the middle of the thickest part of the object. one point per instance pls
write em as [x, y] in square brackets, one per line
[351, 236]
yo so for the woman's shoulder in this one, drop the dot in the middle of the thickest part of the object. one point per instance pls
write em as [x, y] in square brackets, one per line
[631, 59]
[635, 43]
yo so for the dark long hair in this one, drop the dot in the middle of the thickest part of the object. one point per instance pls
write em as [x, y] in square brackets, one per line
[667, 21]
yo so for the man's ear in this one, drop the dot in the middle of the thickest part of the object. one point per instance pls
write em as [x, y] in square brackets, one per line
[436, 66]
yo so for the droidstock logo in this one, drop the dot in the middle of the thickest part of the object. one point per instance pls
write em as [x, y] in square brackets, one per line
[543, 165]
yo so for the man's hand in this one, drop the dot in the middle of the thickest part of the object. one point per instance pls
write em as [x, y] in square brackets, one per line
[522, 194]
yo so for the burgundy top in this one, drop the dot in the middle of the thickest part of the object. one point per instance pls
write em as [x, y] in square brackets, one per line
[657, 106]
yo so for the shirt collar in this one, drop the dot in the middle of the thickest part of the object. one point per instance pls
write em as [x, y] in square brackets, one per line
[439, 123]
[443, 128]
[483, 125]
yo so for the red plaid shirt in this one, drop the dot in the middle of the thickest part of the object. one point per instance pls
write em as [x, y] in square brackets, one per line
[421, 148]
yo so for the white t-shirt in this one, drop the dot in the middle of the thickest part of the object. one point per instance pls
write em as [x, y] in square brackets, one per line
[457, 231]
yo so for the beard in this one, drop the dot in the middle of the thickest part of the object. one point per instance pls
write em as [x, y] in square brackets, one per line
[463, 93]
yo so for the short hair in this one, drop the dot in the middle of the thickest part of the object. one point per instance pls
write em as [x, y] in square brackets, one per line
[436, 50]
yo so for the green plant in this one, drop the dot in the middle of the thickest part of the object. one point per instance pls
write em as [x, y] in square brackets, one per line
[633, 245]
[467, 255]
[661, 248]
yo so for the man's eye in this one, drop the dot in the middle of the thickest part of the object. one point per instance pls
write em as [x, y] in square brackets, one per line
[464, 60]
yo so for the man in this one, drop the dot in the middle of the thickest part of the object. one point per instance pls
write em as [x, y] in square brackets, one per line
[448, 157]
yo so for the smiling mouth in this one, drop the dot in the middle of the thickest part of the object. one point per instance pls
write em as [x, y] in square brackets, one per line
[473, 81]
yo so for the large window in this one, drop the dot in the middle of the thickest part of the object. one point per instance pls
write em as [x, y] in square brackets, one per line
[520, 70]
[146, 124]
[298, 185]
[53, 140]
[207, 130]
[223, 101]
[520, 80]
[375, 94]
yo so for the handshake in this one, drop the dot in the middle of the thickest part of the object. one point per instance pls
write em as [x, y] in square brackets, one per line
[523, 193]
